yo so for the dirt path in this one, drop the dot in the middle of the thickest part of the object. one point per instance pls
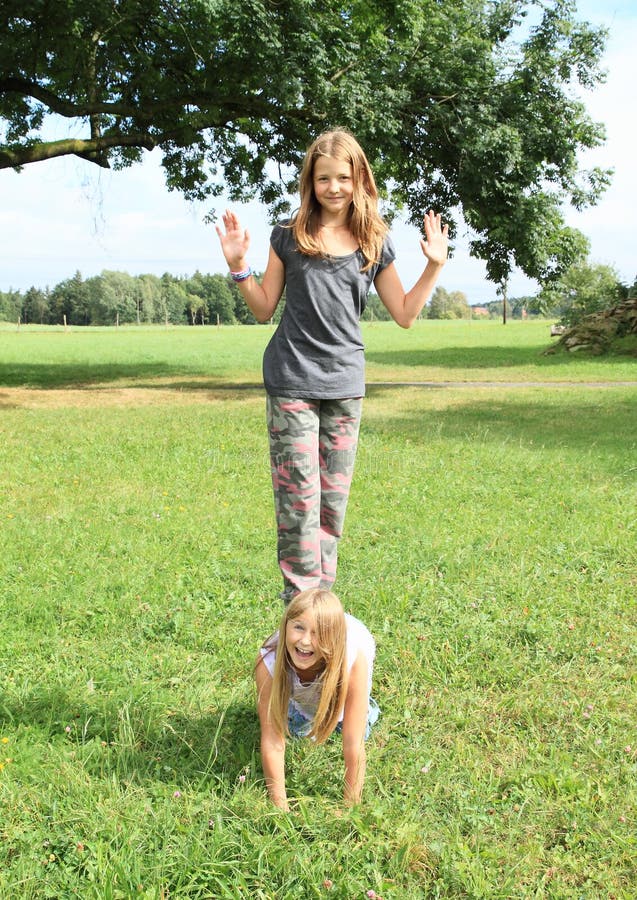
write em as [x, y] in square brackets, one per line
[200, 392]
[508, 384]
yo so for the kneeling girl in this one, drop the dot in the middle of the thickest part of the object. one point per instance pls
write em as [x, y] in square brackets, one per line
[313, 677]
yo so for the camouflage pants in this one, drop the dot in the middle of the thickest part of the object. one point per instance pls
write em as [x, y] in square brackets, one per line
[312, 453]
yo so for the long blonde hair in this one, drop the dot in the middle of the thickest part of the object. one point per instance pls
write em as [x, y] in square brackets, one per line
[331, 633]
[364, 221]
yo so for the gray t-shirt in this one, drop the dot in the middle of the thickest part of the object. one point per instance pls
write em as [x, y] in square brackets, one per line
[317, 351]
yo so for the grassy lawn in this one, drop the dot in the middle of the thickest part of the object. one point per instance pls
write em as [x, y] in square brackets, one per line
[204, 357]
[491, 547]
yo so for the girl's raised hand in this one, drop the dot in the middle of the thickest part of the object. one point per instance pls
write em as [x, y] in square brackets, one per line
[235, 241]
[436, 241]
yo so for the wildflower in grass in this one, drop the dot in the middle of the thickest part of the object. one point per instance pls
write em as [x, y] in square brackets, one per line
[242, 779]
[4, 740]
[328, 884]
[177, 795]
[68, 729]
[425, 769]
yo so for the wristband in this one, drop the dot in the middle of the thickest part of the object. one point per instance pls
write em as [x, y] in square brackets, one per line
[241, 276]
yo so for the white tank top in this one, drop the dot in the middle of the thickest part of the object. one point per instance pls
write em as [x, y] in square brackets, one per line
[305, 697]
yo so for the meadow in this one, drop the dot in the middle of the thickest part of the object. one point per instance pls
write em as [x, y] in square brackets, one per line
[490, 546]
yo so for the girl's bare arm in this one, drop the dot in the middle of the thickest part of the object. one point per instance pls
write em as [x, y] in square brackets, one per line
[405, 308]
[272, 743]
[262, 299]
[354, 725]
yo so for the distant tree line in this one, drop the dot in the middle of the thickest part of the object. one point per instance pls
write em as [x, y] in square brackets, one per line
[116, 298]
[455, 305]
[583, 289]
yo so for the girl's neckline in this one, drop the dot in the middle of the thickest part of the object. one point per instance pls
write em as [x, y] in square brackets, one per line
[315, 676]
[333, 241]
[329, 256]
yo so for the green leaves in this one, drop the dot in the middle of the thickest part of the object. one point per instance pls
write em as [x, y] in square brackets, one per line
[460, 106]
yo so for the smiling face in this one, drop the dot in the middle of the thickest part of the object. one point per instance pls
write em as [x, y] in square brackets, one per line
[302, 645]
[333, 185]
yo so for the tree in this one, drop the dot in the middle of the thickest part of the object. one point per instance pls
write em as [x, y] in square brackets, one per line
[114, 298]
[521, 307]
[217, 300]
[448, 305]
[69, 302]
[35, 306]
[149, 298]
[583, 289]
[460, 105]
[10, 306]
[173, 300]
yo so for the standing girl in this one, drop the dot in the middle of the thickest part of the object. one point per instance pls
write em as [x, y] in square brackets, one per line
[326, 258]
[313, 677]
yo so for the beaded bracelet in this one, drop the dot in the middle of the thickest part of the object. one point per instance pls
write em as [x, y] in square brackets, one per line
[241, 276]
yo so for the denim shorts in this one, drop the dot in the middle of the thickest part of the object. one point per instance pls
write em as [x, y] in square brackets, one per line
[299, 726]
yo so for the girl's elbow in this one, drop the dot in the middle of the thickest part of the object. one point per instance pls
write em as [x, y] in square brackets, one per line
[272, 744]
[401, 314]
[266, 311]
[404, 321]
[354, 747]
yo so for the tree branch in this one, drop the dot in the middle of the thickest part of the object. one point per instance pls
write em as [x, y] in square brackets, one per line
[27, 88]
[92, 150]
[248, 105]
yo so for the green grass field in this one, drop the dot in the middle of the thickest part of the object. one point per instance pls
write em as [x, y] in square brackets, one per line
[210, 357]
[490, 546]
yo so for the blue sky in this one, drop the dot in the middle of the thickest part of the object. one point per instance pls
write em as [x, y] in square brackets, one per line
[65, 215]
